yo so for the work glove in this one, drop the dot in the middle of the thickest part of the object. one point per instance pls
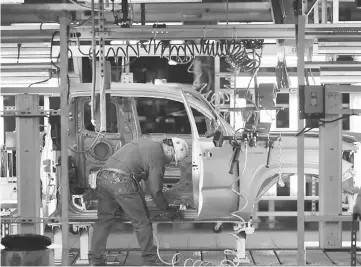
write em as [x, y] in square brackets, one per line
[172, 213]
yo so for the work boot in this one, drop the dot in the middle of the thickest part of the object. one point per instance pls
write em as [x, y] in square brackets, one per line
[97, 262]
[153, 261]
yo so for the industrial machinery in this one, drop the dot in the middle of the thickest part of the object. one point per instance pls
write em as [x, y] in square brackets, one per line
[212, 184]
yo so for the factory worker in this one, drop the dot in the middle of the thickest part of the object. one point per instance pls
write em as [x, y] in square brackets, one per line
[117, 185]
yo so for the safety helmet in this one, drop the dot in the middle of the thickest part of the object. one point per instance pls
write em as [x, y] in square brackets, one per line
[181, 149]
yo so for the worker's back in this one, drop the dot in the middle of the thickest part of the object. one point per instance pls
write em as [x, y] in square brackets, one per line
[137, 157]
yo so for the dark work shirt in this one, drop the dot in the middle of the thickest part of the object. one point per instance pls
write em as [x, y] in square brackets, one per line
[146, 160]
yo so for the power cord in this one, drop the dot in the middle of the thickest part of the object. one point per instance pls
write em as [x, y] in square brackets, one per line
[323, 122]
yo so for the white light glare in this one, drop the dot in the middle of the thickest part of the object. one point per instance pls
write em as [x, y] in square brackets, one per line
[172, 62]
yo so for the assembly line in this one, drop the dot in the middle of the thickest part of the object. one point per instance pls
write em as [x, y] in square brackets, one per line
[193, 133]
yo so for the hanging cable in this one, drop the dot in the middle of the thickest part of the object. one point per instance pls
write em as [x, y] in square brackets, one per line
[234, 51]
[94, 65]
[43, 81]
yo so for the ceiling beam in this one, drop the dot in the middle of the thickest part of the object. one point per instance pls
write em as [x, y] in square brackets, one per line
[171, 12]
[244, 31]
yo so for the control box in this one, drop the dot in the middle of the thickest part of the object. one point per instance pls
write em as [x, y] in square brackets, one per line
[312, 102]
[127, 77]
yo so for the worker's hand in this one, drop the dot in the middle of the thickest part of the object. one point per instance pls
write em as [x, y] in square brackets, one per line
[172, 213]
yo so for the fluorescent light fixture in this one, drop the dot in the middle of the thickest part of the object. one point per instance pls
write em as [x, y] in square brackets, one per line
[25, 26]
[155, 1]
[12, 1]
[177, 42]
[26, 60]
[36, 24]
[242, 23]
[152, 23]
[118, 42]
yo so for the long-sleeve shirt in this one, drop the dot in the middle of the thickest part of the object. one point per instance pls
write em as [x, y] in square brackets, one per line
[145, 159]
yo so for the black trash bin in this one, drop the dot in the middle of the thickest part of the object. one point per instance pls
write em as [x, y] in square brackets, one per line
[26, 250]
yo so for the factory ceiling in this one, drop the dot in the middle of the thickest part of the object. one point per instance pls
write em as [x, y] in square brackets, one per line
[27, 25]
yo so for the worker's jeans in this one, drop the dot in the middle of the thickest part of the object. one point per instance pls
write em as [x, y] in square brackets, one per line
[113, 190]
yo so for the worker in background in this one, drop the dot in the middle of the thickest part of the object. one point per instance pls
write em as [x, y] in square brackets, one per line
[117, 184]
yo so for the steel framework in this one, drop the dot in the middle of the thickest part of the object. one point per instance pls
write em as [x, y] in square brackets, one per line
[301, 33]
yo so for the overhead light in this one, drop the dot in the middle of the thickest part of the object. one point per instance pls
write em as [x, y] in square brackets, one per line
[242, 23]
[156, 1]
[118, 42]
[36, 24]
[12, 1]
[152, 23]
[176, 42]
[30, 26]
[172, 62]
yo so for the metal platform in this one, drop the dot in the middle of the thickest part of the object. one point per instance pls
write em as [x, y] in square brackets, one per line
[257, 257]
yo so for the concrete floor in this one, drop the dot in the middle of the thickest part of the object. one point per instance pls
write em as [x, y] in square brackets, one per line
[187, 236]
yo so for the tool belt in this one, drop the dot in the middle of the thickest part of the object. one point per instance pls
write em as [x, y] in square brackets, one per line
[125, 183]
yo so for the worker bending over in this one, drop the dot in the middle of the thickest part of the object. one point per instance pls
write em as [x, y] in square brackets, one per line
[118, 184]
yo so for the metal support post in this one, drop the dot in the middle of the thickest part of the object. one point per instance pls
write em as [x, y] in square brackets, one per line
[313, 184]
[301, 253]
[103, 119]
[354, 241]
[57, 230]
[46, 107]
[324, 11]
[2, 137]
[2, 129]
[84, 245]
[90, 233]
[335, 11]
[316, 16]
[330, 170]
[27, 163]
[355, 126]
[64, 136]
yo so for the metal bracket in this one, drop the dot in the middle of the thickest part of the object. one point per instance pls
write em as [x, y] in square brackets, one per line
[354, 239]
[102, 33]
[25, 220]
[30, 113]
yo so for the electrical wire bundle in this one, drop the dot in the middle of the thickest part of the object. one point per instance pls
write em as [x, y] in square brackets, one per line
[283, 79]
